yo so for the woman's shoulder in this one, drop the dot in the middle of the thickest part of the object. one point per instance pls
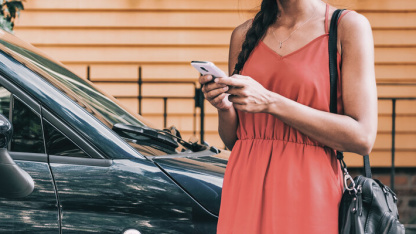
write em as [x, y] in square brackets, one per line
[244, 27]
[351, 20]
[352, 28]
[239, 33]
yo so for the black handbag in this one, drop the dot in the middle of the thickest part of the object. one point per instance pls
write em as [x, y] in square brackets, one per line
[367, 205]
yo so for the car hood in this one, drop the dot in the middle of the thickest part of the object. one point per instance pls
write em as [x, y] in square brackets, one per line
[200, 174]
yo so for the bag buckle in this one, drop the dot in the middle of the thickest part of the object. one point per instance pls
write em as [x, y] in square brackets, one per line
[350, 187]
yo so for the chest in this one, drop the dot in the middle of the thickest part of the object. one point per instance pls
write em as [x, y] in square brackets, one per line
[305, 69]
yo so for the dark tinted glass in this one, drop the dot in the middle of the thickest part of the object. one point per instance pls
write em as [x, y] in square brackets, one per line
[27, 130]
[60, 145]
[84, 90]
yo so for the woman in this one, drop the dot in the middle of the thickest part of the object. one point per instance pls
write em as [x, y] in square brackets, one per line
[283, 175]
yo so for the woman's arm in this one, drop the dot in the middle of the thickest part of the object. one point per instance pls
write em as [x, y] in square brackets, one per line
[355, 131]
[215, 93]
[228, 120]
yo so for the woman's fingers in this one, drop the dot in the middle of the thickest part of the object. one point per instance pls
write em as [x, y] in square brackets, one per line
[218, 99]
[240, 107]
[205, 79]
[215, 92]
[237, 99]
[230, 81]
[238, 91]
[211, 86]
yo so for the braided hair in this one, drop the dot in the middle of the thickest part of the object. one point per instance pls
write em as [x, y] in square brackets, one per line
[261, 22]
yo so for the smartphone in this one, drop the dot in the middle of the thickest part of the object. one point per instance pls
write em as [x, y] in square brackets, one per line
[208, 68]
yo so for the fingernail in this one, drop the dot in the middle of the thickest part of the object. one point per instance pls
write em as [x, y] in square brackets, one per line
[225, 88]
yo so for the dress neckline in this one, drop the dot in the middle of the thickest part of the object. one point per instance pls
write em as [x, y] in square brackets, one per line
[307, 44]
[295, 51]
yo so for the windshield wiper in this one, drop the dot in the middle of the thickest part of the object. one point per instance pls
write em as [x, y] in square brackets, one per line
[148, 132]
[194, 146]
[161, 135]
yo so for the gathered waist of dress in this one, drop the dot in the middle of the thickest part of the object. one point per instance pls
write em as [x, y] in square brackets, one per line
[310, 143]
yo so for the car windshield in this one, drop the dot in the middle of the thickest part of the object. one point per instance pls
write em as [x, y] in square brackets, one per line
[105, 107]
[85, 91]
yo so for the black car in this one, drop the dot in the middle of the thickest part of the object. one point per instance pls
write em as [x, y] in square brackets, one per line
[96, 167]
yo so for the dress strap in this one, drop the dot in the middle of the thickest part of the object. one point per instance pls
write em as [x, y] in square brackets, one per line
[326, 17]
[342, 15]
[339, 19]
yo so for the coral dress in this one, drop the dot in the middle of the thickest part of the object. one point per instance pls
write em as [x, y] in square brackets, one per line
[277, 179]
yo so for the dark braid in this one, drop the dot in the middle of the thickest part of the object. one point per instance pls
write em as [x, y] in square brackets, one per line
[261, 22]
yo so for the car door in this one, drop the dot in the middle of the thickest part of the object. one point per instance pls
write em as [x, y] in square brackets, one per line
[38, 212]
[101, 195]
[80, 173]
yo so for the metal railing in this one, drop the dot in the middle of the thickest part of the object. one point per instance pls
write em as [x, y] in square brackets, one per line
[199, 103]
[393, 126]
[198, 98]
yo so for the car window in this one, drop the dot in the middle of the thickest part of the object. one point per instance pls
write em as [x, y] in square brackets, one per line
[59, 145]
[27, 130]
[5, 102]
[105, 105]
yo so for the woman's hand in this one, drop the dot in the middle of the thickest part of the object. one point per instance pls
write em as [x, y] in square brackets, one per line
[246, 93]
[215, 93]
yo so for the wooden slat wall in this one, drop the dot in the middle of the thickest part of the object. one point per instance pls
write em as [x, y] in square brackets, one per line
[114, 38]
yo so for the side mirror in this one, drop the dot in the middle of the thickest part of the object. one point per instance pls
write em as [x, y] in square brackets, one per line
[14, 182]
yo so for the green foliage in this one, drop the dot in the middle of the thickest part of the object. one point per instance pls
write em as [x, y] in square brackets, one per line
[9, 11]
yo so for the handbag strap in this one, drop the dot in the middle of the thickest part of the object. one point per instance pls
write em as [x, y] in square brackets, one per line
[333, 73]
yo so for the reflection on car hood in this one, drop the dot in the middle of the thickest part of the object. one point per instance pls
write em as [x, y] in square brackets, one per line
[201, 175]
